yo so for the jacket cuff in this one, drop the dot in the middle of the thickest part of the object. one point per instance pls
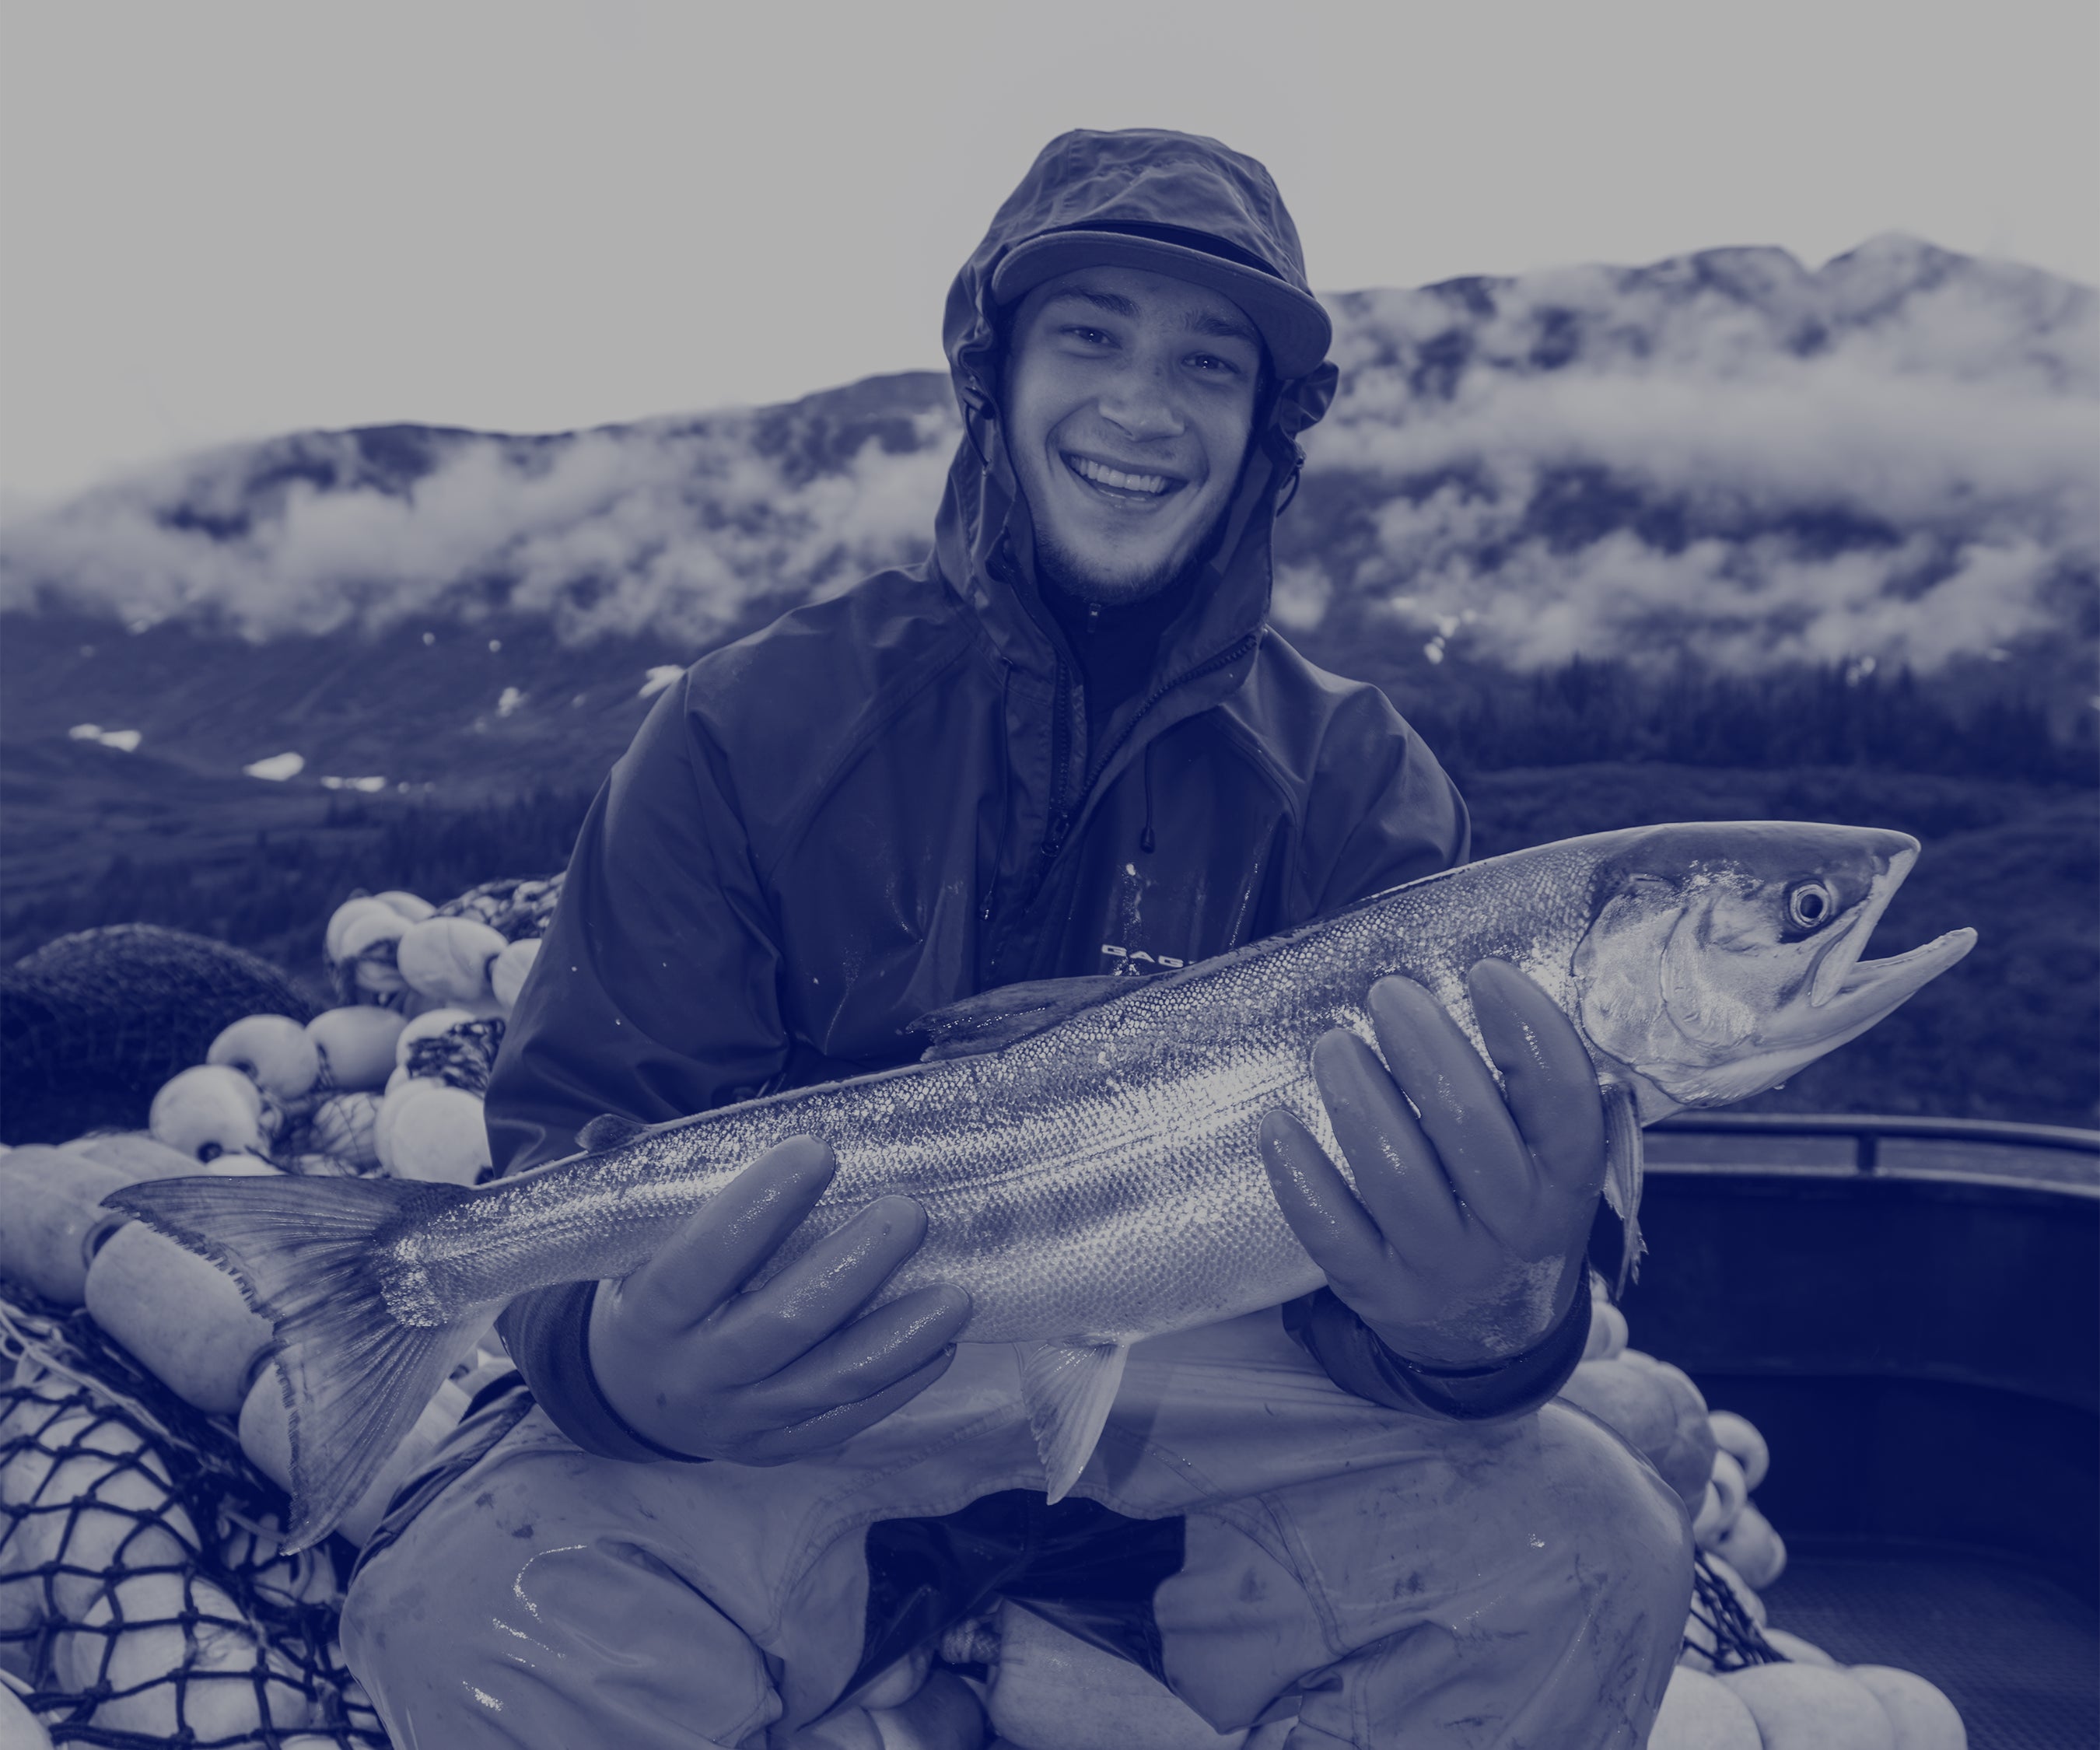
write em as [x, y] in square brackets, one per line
[548, 1334]
[1358, 1362]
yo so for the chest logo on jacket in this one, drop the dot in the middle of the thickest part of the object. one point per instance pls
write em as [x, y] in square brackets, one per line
[1126, 959]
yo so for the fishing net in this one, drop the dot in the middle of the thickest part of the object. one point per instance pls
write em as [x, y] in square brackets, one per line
[462, 1056]
[514, 908]
[1721, 1630]
[143, 1600]
[93, 1024]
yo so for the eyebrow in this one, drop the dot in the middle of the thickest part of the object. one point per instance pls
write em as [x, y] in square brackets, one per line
[1218, 327]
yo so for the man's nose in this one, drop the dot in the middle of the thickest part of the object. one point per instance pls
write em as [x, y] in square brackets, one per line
[1141, 403]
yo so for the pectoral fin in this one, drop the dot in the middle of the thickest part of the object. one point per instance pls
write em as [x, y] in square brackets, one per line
[1624, 1155]
[1068, 1388]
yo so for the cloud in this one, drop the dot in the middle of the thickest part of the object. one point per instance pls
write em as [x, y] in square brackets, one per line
[1726, 455]
[1730, 456]
[676, 526]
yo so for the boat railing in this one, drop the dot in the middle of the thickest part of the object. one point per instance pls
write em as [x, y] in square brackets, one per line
[1871, 1144]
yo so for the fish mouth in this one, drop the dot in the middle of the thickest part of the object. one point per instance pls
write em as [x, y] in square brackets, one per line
[1840, 958]
[1848, 994]
[1866, 990]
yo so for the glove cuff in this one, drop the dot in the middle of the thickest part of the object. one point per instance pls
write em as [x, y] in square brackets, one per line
[1356, 1360]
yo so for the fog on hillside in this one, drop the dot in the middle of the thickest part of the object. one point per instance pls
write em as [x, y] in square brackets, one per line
[1725, 456]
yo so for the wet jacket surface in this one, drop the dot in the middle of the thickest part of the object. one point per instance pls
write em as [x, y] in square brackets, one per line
[891, 800]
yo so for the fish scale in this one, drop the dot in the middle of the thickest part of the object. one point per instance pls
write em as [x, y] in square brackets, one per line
[1085, 1151]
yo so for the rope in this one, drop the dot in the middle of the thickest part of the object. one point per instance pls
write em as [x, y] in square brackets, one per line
[1738, 1642]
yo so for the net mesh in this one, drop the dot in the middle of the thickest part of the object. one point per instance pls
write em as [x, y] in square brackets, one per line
[1722, 1631]
[461, 1056]
[515, 907]
[144, 1599]
[93, 1024]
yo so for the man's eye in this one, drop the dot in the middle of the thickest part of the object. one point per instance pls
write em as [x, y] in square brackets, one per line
[1212, 365]
[1091, 335]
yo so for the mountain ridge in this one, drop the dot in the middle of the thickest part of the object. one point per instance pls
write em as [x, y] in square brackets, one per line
[1724, 462]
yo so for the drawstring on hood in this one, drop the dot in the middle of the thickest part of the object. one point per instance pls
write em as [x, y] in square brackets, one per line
[1145, 842]
[1005, 786]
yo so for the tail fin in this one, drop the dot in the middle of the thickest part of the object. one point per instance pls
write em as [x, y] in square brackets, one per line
[307, 1253]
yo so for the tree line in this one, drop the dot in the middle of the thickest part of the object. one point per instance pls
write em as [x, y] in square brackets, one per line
[1613, 712]
[275, 896]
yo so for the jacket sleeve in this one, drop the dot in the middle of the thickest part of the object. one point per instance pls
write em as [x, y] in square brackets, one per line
[654, 996]
[1382, 811]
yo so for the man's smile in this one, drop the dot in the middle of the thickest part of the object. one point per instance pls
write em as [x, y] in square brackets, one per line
[1121, 485]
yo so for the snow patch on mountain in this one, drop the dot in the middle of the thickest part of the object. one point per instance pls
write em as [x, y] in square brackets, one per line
[124, 741]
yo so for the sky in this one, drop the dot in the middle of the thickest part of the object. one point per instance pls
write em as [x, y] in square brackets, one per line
[230, 218]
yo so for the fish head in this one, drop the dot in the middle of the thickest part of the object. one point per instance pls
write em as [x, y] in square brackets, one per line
[1720, 958]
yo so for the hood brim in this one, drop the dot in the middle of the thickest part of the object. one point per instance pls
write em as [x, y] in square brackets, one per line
[1294, 327]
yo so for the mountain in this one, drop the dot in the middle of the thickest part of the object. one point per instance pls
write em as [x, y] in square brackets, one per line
[1808, 544]
[1726, 458]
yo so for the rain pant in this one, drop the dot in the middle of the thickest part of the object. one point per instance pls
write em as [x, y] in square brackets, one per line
[883, 804]
[1392, 1579]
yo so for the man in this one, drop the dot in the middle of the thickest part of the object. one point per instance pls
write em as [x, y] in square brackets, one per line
[1067, 743]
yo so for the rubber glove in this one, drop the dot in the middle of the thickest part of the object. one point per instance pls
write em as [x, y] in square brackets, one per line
[1464, 1242]
[697, 1367]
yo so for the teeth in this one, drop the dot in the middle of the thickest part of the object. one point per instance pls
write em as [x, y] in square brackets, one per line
[1128, 482]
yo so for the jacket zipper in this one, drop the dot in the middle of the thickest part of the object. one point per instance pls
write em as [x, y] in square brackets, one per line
[1061, 818]
[1224, 660]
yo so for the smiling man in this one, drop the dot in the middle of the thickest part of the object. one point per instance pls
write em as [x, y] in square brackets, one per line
[1068, 743]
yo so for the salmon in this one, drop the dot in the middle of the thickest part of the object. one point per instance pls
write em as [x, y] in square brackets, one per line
[1085, 1149]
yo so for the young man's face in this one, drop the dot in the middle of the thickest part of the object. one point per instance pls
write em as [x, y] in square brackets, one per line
[1129, 400]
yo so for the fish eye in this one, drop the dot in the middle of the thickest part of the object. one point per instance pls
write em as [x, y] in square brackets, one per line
[1810, 905]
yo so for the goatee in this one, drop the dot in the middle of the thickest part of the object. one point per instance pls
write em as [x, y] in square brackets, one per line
[1058, 569]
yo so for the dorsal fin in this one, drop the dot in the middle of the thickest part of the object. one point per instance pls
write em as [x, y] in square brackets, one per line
[995, 1018]
[608, 1130]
